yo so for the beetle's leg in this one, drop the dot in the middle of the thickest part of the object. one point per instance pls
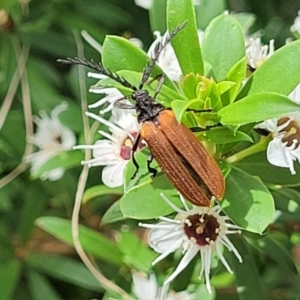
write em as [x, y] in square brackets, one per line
[150, 169]
[161, 79]
[199, 129]
[199, 110]
[133, 150]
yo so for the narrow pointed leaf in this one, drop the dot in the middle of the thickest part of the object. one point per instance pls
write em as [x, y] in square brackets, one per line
[186, 43]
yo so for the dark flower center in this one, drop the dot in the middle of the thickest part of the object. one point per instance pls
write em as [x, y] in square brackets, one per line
[126, 147]
[58, 139]
[291, 131]
[204, 229]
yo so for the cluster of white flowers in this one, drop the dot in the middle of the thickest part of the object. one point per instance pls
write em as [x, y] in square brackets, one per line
[52, 137]
[257, 53]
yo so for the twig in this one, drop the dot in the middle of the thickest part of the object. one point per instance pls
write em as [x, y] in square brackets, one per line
[19, 75]
[105, 282]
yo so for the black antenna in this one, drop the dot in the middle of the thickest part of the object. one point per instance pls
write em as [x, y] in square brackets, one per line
[98, 67]
[157, 51]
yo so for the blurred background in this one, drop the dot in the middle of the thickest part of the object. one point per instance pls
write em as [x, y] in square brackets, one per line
[34, 264]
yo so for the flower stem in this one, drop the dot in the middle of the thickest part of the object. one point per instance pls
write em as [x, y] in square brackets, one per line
[260, 146]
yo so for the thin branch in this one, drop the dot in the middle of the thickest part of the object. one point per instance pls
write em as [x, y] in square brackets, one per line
[7, 102]
[19, 75]
[105, 282]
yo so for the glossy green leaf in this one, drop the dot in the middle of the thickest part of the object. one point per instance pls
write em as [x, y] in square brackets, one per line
[207, 10]
[64, 160]
[144, 201]
[236, 74]
[112, 214]
[157, 14]
[186, 43]
[257, 108]
[100, 190]
[142, 198]
[258, 165]
[223, 135]
[280, 73]
[249, 286]
[247, 201]
[223, 45]
[136, 255]
[10, 271]
[40, 288]
[65, 269]
[120, 54]
[92, 241]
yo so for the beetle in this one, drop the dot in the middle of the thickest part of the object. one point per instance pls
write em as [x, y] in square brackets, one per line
[183, 159]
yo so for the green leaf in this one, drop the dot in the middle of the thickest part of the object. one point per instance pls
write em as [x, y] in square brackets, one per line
[257, 108]
[207, 10]
[280, 73]
[247, 201]
[236, 74]
[64, 269]
[9, 276]
[157, 14]
[273, 248]
[142, 198]
[64, 159]
[258, 165]
[100, 190]
[93, 242]
[246, 20]
[186, 43]
[136, 255]
[112, 214]
[40, 288]
[120, 54]
[144, 201]
[223, 45]
[223, 135]
[287, 200]
[249, 285]
[165, 96]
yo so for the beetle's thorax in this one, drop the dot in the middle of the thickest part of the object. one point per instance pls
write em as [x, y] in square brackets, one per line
[147, 108]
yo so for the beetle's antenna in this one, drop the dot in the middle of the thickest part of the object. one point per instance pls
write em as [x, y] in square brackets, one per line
[98, 67]
[157, 51]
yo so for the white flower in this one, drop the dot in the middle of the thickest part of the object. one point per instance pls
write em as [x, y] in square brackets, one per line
[147, 4]
[112, 94]
[146, 288]
[199, 229]
[52, 138]
[296, 25]
[257, 53]
[115, 151]
[167, 59]
[284, 148]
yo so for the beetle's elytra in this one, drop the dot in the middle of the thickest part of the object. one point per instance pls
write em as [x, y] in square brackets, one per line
[183, 159]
